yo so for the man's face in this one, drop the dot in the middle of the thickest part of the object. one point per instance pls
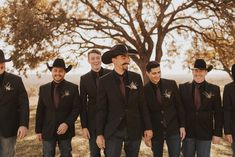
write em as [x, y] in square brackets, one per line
[121, 62]
[94, 60]
[58, 74]
[199, 75]
[2, 67]
[154, 75]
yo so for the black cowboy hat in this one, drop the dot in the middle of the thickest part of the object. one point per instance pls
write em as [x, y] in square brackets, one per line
[201, 64]
[233, 71]
[2, 57]
[119, 49]
[59, 63]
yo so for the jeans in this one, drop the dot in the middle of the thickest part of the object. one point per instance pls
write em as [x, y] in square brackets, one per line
[64, 147]
[192, 146]
[7, 146]
[113, 145]
[233, 148]
[173, 143]
[94, 149]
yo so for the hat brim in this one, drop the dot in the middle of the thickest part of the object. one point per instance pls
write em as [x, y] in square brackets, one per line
[66, 69]
[108, 55]
[6, 60]
[208, 69]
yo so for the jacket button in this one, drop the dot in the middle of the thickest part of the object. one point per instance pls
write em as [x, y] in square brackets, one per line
[120, 118]
[162, 112]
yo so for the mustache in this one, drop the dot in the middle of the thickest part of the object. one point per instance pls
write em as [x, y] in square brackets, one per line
[125, 64]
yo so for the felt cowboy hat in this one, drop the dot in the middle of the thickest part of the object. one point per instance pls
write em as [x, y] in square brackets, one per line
[233, 71]
[201, 65]
[119, 49]
[59, 63]
[2, 57]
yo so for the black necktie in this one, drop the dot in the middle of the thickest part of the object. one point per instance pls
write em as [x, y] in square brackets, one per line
[122, 86]
[97, 79]
[197, 96]
[158, 95]
[56, 95]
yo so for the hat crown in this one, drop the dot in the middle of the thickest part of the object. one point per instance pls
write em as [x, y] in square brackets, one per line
[233, 71]
[2, 57]
[59, 63]
[200, 64]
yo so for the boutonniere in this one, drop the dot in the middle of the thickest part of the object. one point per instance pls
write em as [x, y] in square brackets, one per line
[167, 94]
[208, 95]
[132, 85]
[65, 93]
[8, 87]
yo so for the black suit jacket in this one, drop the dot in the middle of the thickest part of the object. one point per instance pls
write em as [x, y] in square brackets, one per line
[205, 122]
[229, 109]
[48, 117]
[88, 99]
[112, 107]
[14, 105]
[171, 109]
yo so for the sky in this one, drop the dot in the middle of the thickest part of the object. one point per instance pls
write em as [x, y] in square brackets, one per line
[176, 68]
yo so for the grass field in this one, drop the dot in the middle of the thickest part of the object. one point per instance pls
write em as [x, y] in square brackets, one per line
[30, 147]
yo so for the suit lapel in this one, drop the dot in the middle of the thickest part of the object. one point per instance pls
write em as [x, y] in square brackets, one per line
[92, 84]
[190, 95]
[151, 94]
[204, 98]
[48, 95]
[116, 87]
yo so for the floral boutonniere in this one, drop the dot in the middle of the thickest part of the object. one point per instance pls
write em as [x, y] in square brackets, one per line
[65, 93]
[167, 94]
[132, 85]
[8, 87]
[208, 95]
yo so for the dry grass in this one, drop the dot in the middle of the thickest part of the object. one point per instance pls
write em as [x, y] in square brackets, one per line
[30, 147]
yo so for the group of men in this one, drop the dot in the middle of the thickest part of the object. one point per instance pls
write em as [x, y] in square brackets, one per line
[117, 110]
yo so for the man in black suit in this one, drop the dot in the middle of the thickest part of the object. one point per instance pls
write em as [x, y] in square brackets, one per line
[229, 111]
[166, 112]
[202, 103]
[57, 111]
[88, 87]
[14, 109]
[122, 114]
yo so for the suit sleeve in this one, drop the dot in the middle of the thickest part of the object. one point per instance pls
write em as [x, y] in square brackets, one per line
[39, 113]
[102, 107]
[76, 108]
[23, 103]
[143, 106]
[227, 108]
[179, 105]
[218, 113]
[83, 96]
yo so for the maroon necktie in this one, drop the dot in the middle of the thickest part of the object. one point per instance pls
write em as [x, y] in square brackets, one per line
[197, 96]
[122, 86]
[56, 95]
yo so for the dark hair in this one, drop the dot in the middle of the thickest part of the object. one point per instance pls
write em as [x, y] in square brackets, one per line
[94, 51]
[151, 65]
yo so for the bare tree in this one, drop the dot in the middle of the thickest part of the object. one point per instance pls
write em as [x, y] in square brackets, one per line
[146, 25]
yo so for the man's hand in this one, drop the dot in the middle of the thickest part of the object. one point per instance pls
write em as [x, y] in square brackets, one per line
[216, 139]
[85, 133]
[100, 141]
[182, 133]
[148, 134]
[22, 132]
[62, 129]
[39, 136]
[229, 138]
